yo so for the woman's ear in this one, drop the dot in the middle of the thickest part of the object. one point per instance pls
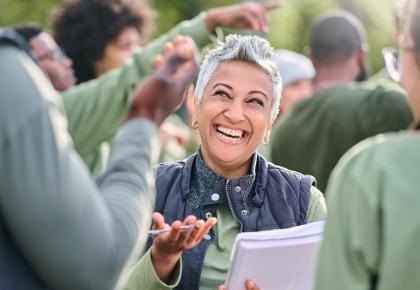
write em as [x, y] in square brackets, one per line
[191, 104]
[194, 115]
[196, 108]
[267, 132]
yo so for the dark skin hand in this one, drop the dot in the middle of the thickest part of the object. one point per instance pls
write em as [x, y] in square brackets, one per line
[163, 92]
[248, 15]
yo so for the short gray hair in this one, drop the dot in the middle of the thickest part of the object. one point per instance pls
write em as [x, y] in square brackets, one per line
[250, 49]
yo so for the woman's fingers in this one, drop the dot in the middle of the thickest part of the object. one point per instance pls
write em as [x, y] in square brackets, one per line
[189, 238]
[158, 220]
[179, 239]
[175, 232]
[205, 228]
[184, 238]
[202, 228]
[250, 285]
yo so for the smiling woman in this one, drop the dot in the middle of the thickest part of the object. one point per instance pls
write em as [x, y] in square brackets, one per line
[234, 116]
[236, 101]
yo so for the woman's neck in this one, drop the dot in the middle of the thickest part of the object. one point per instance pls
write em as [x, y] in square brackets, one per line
[228, 171]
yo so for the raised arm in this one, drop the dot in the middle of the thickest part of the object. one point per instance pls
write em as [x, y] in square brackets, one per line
[71, 233]
[96, 109]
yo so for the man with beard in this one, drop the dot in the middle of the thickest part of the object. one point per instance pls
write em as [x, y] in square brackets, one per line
[313, 136]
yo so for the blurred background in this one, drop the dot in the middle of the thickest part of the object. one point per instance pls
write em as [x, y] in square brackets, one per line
[288, 26]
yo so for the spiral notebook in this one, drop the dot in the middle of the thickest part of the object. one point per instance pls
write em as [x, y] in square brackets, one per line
[277, 259]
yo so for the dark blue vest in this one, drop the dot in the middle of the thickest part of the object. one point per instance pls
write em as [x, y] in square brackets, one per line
[15, 273]
[281, 200]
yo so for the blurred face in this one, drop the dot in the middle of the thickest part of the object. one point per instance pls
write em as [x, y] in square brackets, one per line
[118, 51]
[55, 64]
[410, 74]
[294, 92]
[233, 117]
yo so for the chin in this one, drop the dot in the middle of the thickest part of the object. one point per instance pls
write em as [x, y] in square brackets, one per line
[231, 156]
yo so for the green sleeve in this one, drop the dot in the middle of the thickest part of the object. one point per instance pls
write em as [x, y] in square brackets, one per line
[143, 276]
[95, 109]
[317, 208]
[74, 234]
[349, 253]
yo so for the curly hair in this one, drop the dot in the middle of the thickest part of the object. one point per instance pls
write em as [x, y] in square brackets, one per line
[83, 28]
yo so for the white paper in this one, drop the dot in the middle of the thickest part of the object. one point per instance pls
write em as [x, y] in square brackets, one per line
[276, 260]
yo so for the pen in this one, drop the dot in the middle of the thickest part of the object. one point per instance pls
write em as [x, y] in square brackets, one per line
[183, 228]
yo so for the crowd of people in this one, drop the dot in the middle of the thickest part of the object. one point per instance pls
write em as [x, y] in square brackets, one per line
[105, 135]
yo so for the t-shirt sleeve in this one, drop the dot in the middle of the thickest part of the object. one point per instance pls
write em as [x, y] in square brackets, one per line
[317, 208]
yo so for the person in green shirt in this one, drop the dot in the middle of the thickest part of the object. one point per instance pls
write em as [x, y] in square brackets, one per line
[317, 131]
[236, 101]
[58, 229]
[373, 225]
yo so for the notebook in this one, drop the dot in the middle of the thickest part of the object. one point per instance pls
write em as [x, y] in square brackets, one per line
[277, 259]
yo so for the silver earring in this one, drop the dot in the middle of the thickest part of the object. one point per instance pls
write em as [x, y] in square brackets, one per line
[266, 140]
[194, 124]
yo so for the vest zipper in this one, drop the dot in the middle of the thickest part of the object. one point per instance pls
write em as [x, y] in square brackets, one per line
[231, 208]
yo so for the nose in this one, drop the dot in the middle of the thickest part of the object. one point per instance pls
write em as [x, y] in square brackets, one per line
[235, 112]
[67, 62]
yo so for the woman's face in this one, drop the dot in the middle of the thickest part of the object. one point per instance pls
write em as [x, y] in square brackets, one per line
[119, 50]
[295, 92]
[233, 117]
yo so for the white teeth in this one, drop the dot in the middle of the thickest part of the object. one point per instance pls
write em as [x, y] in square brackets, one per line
[234, 133]
[233, 139]
[229, 134]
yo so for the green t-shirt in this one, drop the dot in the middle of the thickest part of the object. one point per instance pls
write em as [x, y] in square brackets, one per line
[313, 136]
[75, 234]
[373, 225]
[96, 109]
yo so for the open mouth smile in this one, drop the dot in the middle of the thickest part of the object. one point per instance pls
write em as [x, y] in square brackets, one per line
[231, 135]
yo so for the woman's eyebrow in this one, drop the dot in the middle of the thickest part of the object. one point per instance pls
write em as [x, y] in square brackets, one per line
[222, 84]
[259, 92]
[251, 92]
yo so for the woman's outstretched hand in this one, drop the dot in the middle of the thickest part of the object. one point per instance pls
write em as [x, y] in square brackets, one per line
[168, 247]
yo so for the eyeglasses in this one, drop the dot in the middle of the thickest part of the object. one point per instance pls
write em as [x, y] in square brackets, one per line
[54, 54]
[392, 63]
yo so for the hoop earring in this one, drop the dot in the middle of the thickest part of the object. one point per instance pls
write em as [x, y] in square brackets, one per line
[194, 124]
[266, 140]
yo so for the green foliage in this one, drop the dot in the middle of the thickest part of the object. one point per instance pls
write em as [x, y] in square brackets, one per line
[14, 12]
[289, 26]
[170, 12]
